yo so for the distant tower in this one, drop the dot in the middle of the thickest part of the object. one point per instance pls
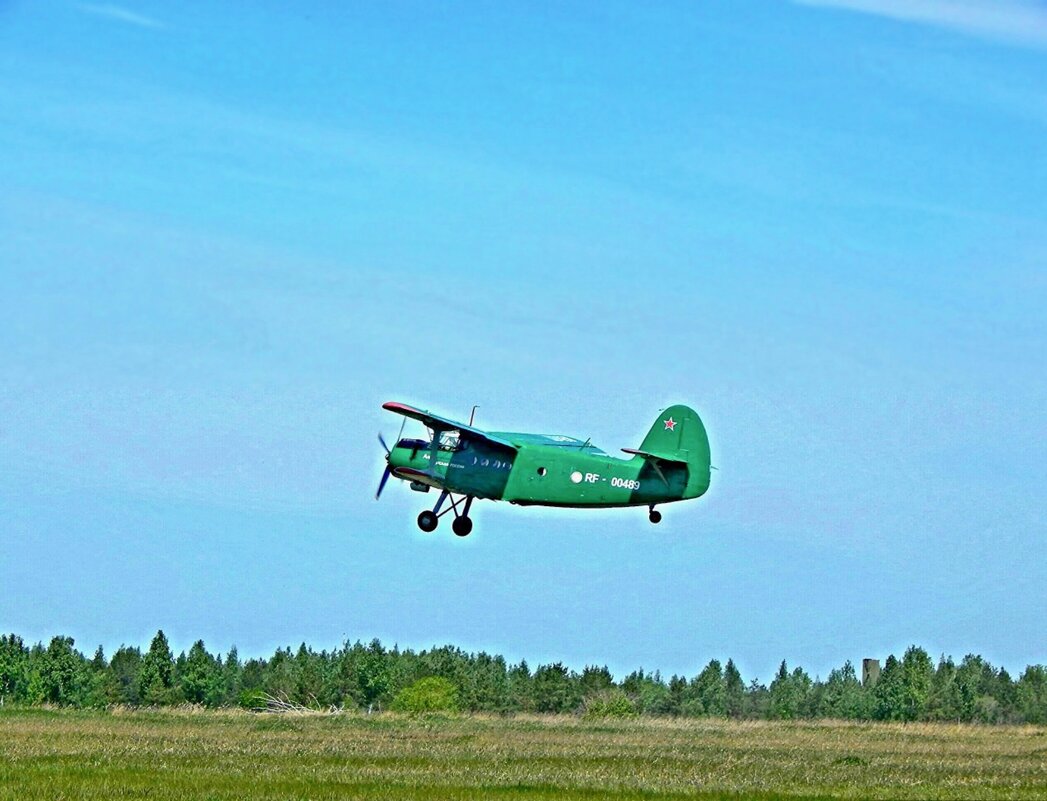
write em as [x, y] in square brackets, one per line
[870, 672]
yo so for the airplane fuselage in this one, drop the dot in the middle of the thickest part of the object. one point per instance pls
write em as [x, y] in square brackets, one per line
[551, 471]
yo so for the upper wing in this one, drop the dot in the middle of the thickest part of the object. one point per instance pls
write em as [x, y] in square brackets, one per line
[438, 423]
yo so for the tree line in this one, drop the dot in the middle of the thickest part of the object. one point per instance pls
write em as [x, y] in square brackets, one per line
[371, 676]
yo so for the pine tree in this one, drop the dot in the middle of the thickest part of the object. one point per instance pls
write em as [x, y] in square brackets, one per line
[555, 689]
[14, 659]
[889, 693]
[98, 663]
[345, 690]
[803, 688]
[943, 701]
[252, 684]
[710, 690]
[1006, 695]
[156, 673]
[201, 677]
[489, 688]
[781, 706]
[63, 673]
[125, 669]
[279, 680]
[595, 679]
[973, 679]
[677, 694]
[757, 701]
[734, 690]
[917, 675]
[231, 677]
[102, 689]
[521, 688]
[789, 694]
[843, 695]
[647, 692]
[308, 673]
[1031, 694]
[373, 675]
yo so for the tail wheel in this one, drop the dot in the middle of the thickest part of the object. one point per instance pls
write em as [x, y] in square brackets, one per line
[655, 516]
[427, 521]
[462, 526]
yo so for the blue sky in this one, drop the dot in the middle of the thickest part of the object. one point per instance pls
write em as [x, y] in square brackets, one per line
[229, 232]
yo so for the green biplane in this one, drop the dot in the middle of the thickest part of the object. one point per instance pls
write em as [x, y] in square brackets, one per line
[672, 464]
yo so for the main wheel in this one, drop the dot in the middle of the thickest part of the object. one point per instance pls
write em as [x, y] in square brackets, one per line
[655, 516]
[427, 521]
[462, 526]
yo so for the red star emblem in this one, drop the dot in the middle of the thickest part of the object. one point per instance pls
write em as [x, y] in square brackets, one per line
[670, 424]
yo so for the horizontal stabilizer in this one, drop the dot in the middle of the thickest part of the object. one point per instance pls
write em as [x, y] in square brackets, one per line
[660, 457]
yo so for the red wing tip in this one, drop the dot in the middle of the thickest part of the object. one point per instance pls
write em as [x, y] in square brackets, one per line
[393, 406]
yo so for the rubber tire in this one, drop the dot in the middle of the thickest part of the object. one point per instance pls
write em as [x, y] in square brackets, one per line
[655, 516]
[462, 526]
[427, 521]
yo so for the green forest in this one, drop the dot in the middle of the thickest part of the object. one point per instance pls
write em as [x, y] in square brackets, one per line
[371, 677]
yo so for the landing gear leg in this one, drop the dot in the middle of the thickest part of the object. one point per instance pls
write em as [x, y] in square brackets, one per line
[428, 521]
[462, 525]
[655, 516]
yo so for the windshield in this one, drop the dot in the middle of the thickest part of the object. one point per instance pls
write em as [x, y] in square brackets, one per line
[449, 441]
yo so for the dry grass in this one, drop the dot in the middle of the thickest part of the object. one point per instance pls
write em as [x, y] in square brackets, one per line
[188, 754]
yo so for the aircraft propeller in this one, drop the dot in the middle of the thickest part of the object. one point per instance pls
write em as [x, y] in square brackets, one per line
[388, 470]
[381, 484]
[388, 451]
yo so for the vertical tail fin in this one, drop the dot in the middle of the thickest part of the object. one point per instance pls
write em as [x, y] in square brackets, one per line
[678, 433]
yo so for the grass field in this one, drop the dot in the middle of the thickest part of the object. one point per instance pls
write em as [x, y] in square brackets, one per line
[237, 755]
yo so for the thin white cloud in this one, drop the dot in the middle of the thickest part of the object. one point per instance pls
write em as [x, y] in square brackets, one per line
[120, 14]
[1017, 21]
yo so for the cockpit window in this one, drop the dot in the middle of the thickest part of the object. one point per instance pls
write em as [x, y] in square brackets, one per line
[450, 441]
